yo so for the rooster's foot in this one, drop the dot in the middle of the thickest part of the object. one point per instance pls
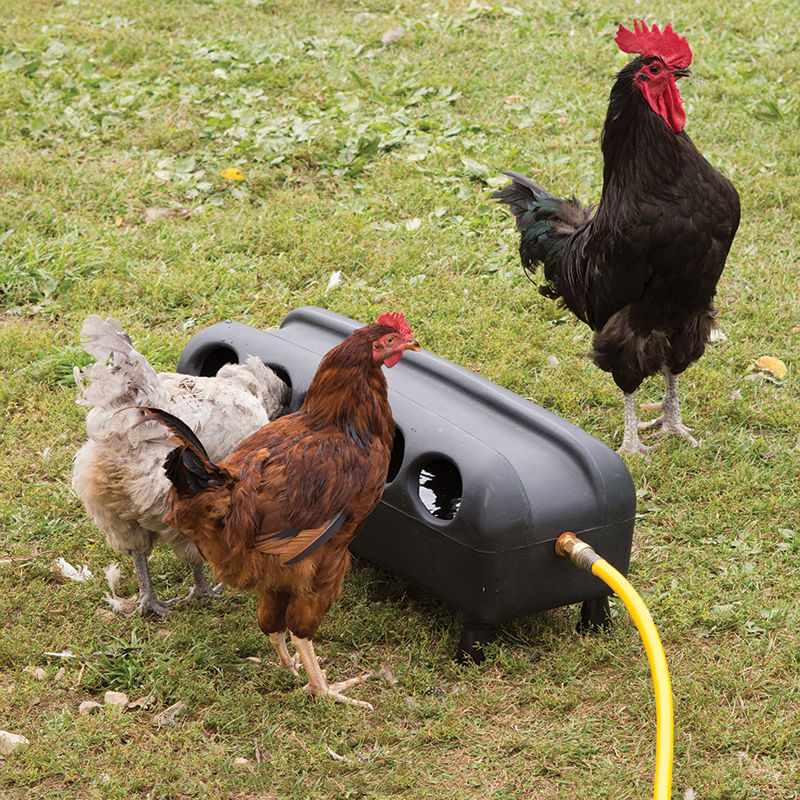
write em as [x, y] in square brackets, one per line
[671, 427]
[634, 448]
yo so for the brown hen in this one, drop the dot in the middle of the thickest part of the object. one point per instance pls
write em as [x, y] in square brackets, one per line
[277, 515]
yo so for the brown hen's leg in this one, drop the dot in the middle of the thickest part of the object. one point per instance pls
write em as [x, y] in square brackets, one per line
[279, 643]
[631, 445]
[317, 682]
[148, 602]
[670, 419]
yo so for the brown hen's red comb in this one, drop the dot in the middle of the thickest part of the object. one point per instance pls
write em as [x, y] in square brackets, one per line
[672, 49]
[396, 321]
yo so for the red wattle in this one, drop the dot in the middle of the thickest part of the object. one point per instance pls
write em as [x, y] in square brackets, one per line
[668, 105]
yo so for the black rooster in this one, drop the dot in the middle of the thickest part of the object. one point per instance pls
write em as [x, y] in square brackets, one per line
[642, 270]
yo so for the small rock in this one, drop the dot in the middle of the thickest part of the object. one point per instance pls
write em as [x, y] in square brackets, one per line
[37, 672]
[115, 698]
[552, 361]
[10, 742]
[240, 761]
[88, 707]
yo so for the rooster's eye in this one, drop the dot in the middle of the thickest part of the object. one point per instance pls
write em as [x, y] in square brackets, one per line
[655, 69]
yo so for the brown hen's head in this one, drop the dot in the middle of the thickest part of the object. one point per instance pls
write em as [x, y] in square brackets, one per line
[663, 57]
[393, 340]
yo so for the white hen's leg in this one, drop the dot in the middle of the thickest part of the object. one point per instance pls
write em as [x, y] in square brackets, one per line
[670, 419]
[279, 643]
[317, 682]
[201, 590]
[148, 602]
[630, 438]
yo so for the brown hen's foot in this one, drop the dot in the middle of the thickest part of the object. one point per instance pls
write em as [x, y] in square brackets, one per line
[317, 682]
[284, 659]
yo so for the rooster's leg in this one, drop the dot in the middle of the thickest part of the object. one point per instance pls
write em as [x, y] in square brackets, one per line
[201, 590]
[148, 602]
[670, 419]
[317, 682]
[279, 643]
[630, 439]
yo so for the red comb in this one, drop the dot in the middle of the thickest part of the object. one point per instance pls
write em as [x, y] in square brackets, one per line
[396, 321]
[672, 49]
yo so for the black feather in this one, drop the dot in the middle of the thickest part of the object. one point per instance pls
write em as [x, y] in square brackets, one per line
[188, 466]
[321, 539]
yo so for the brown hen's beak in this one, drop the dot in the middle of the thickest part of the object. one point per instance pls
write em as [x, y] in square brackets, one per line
[412, 345]
[682, 72]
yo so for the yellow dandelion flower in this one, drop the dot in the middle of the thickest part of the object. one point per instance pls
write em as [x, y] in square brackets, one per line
[232, 174]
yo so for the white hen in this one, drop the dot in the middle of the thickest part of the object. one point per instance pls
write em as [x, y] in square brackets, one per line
[118, 472]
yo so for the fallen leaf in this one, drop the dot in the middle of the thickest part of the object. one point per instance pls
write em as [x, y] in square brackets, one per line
[155, 214]
[240, 761]
[10, 742]
[88, 707]
[232, 174]
[166, 718]
[115, 698]
[513, 98]
[140, 702]
[773, 365]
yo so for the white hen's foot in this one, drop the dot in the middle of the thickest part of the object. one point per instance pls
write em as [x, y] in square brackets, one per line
[317, 682]
[202, 590]
[148, 601]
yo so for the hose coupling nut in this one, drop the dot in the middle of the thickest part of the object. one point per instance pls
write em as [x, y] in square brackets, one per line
[582, 555]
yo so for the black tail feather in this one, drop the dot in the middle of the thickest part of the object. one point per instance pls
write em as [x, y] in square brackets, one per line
[188, 466]
[545, 223]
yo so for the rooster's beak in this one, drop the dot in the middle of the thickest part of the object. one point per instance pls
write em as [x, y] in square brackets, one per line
[682, 72]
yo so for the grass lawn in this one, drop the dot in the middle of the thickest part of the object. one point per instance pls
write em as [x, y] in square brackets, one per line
[374, 151]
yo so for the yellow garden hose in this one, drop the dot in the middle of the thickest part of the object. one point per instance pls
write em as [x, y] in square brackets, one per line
[583, 555]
